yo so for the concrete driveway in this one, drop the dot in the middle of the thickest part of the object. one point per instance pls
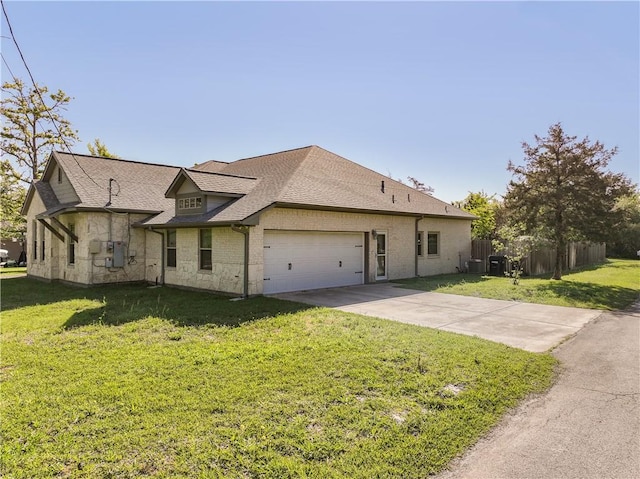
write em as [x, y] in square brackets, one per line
[533, 327]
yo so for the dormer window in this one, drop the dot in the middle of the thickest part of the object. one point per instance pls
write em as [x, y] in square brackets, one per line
[190, 204]
[195, 202]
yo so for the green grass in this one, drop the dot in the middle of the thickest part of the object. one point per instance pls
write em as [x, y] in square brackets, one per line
[610, 286]
[128, 381]
[17, 270]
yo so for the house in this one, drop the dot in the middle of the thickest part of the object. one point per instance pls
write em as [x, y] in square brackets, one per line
[298, 219]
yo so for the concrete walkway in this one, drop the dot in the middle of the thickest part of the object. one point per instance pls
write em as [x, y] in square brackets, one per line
[533, 327]
[586, 427]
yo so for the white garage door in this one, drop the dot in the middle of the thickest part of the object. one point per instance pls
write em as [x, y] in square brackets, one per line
[297, 260]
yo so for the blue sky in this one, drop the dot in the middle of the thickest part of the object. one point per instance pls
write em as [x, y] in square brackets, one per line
[442, 91]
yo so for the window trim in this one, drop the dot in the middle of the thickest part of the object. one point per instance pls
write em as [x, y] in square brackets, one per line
[437, 252]
[202, 249]
[35, 239]
[172, 247]
[42, 244]
[384, 255]
[71, 247]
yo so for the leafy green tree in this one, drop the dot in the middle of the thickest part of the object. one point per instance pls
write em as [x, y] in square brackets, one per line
[516, 247]
[564, 192]
[32, 126]
[486, 208]
[625, 235]
[12, 195]
[97, 148]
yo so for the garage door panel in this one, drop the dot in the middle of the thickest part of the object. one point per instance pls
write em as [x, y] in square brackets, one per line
[305, 260]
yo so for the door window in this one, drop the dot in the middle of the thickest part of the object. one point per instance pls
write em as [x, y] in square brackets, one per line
[381, 256]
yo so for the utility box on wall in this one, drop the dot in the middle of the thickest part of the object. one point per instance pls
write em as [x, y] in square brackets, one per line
[118, 254]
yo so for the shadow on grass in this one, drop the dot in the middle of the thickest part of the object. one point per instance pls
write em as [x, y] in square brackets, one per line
[119, 304]
[596, 295]
[431, 283]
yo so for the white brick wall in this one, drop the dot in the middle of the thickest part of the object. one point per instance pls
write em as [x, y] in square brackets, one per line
[455, 245]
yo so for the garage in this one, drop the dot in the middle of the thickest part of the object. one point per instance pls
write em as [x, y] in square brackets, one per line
[300, 260]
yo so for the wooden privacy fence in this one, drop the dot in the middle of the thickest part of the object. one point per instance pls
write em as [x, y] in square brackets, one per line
[542, 260]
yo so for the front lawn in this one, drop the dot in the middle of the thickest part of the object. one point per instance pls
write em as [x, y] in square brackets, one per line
[128, 381]
[13, 270]
[612, 285]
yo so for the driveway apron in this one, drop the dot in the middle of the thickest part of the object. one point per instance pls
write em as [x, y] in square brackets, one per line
[586, 427]
[533, 327]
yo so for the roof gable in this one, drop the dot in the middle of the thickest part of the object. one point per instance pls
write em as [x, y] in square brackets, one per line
[211, 183]
[115, 183]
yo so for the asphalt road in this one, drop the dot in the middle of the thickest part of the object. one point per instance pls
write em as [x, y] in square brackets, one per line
[587, 425]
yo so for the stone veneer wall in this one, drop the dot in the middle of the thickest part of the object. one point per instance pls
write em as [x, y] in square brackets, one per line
[227, 256]
[89, 268]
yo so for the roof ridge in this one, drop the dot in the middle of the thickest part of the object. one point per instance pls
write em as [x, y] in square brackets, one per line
[197, 165]
[274, 153]
[295, 170]
[114, 159]
[220, 174]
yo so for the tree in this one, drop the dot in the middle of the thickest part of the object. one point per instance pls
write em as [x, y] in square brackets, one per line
[486, 208]
[625, 235]
[563, 192]
[12, 195]
[97, 148]
[516, 247]
[419, 185]
[32, 126]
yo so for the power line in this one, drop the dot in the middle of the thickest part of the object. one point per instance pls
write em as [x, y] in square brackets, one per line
[37, 90]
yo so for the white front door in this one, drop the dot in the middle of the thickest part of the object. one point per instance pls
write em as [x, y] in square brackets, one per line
[299, 260]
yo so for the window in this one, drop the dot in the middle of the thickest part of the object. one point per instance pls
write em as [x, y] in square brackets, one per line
[71, 251]
[192, 203]
[171, 248]
[419, 242]
[42, 245]
[205, 249]
[433, 243]
[381, 255]
[35, 239]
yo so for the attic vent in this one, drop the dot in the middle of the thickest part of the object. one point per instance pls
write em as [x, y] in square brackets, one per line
[382, 186]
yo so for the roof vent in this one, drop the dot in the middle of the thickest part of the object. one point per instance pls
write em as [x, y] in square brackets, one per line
[393, 198]
[382, 186]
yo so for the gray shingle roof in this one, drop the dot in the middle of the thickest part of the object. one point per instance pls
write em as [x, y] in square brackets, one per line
[316, 177]
[137, 186]
[219, 183]
[307, 177]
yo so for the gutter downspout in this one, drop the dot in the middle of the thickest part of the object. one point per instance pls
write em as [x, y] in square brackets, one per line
[416, 239]
[244, 230]
[161, 254]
